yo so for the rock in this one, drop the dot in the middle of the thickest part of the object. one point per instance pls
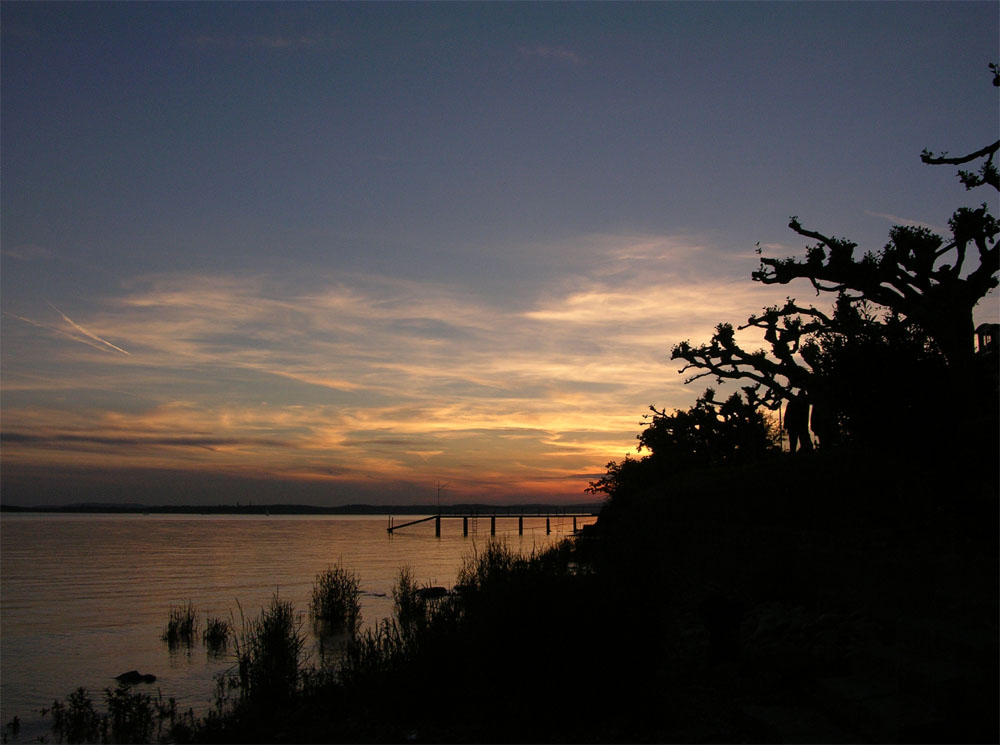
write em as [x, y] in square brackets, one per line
[134, 677]
[432, 593]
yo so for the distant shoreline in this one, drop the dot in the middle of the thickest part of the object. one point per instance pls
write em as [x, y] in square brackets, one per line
[302, 509]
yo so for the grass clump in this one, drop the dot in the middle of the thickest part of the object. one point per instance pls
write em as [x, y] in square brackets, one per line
[269, 654]
[336, 598]
[216, 635]
[497, 561]
[374, 652]
[415, 606]
[182, 625]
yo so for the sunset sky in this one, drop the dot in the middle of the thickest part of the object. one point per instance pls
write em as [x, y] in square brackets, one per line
[334, 253]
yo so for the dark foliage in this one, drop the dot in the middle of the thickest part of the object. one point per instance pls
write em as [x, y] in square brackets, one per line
[708, 435]
[128, 718]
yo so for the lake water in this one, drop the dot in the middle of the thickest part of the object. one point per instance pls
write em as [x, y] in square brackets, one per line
[84, 598]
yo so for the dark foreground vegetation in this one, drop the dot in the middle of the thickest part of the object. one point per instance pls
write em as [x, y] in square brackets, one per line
[829, 598]
[837, 596]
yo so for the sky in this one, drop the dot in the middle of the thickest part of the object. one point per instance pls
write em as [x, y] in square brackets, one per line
[335, 253]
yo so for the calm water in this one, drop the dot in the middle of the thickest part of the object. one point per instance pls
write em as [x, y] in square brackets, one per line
[84, 598]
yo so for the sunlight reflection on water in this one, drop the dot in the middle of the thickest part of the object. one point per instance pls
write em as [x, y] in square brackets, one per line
[86, 597]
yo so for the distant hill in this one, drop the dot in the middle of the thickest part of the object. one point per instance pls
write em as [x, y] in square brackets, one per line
[304, 509]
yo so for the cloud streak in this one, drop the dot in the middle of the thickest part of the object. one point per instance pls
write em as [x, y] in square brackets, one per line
[62, 439]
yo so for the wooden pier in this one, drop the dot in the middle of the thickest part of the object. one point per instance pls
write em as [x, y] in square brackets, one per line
[475, 516]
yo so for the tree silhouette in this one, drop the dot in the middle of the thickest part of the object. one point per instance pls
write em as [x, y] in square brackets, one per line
[709, 433]
[909, 275]
[902, 323]
[917, 274]
[859, 365]
[787, 329]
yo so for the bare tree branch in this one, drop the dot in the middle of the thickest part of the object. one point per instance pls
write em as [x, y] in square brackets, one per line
[929, 158]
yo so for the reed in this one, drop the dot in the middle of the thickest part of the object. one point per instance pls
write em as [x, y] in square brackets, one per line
[336, 598]
[375, 651]
[182, 625]
[269, 654]
[216, 634]
[415, 607]
[497, 561]
[407, 604]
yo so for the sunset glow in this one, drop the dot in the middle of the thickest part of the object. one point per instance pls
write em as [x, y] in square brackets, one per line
[360, 379]
[335, 262]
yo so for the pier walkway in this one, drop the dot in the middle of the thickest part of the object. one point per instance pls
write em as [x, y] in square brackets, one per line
[493, 516]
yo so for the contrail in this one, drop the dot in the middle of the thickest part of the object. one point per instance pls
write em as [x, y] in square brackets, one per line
[54, 330]
[91, 336]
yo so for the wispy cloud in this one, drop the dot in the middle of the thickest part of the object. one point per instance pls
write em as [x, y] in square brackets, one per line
[272, 42]
[27, 252]
[897, 220]
[557, 54]
[62, 439]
